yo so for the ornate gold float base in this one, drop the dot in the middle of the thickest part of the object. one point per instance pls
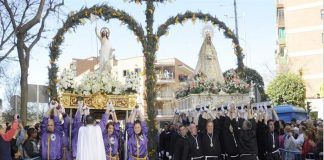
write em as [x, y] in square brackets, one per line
[99, 101]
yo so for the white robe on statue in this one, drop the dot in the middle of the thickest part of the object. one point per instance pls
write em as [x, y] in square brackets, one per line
[90, 144]
[105, 53]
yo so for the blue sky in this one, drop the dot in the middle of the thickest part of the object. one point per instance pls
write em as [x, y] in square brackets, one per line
[257, 34]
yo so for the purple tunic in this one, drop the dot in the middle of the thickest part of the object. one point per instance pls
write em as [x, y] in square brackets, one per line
[77, 123]
[103, 122]
[65, 139]
[132, 144]
[54, 140]
[111, 142]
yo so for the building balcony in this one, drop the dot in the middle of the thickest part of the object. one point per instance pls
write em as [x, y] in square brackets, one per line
[164, 96]
[280, 3]
[281, 41]
[280, 23]
[165, 113]
[165, 78]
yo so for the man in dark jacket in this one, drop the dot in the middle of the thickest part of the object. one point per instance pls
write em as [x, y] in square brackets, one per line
[31, 150]
[180, 143]
[163, 141]
[245, 132]
[193, 146]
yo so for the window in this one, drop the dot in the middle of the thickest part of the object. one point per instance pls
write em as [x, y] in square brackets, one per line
[124, 73]
[282, 35]
[280, 14]
[73, 66]
[301, 72]
[137, 70]
[282, 52]
[183, 78]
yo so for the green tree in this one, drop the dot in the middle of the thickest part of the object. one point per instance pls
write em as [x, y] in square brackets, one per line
[289, 88]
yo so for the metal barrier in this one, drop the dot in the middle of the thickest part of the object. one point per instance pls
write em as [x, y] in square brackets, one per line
[295, 155]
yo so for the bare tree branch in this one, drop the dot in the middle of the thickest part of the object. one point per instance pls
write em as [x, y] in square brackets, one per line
[36, 18]
[24, 12]
[41, 29]
[12, 86]
[7, 54]
[11, 15]
[4, 28]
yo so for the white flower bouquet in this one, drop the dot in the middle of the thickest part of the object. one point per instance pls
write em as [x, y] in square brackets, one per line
[67, 81]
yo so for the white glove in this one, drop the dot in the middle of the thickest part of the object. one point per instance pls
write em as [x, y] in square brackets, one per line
[80, 104]
[62, 110]
[53, 104]
[110, 107]
[176, 112]
[86, 110]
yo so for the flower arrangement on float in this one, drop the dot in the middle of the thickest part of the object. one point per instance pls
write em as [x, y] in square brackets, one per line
[233, 83]
[98, 82]
[200, 84]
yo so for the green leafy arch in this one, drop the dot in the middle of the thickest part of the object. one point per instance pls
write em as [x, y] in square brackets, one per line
[228, 33]
[104, 12]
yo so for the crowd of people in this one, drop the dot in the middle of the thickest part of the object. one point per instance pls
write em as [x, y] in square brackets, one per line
[227, 132]
[90, 140]
[239, 133]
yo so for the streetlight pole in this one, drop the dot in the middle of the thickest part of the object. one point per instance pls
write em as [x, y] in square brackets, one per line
[236, 24]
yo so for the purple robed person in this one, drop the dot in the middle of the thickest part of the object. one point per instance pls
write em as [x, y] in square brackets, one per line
[112, 141]
[110, 132]
[77, 123]
[66, 155]
[111, 136]
[137, 137]
[51, 136]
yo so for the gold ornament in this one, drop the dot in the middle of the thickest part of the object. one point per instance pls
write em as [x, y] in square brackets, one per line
[82, 21]
[176, 20]
[229, 32]
[166, 33]
[151, 10]
[184, 20]
[98, 100]
[194, 18]
[206, 19]
[100, 11]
